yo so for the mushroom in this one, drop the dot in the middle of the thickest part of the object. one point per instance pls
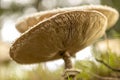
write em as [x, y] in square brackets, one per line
[59, 36]
[29, 21]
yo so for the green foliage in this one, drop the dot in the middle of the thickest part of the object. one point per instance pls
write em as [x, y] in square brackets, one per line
[92, 70]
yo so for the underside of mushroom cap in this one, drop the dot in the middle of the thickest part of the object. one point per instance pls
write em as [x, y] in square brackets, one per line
[27, 22]
[69, 31]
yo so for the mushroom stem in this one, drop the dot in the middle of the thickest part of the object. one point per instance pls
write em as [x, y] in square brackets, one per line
[69, 73]
[68, 63]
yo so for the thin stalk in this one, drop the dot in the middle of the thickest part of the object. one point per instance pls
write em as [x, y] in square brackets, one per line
[69, 73]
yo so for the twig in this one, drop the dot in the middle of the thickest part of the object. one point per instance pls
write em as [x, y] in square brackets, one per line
[108, 66]
[104, 78]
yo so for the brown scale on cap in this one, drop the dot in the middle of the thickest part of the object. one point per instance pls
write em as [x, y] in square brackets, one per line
[69, 32]
[111, 14]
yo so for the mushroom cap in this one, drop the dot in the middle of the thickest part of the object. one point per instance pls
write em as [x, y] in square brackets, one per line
[68, 31]
[111, 13]
[29, 21]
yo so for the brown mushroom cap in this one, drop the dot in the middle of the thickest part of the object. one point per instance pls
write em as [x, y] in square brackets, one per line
[69, 31]
[29, 21]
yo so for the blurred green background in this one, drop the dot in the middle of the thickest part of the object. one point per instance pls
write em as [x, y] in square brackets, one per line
[93, 67]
